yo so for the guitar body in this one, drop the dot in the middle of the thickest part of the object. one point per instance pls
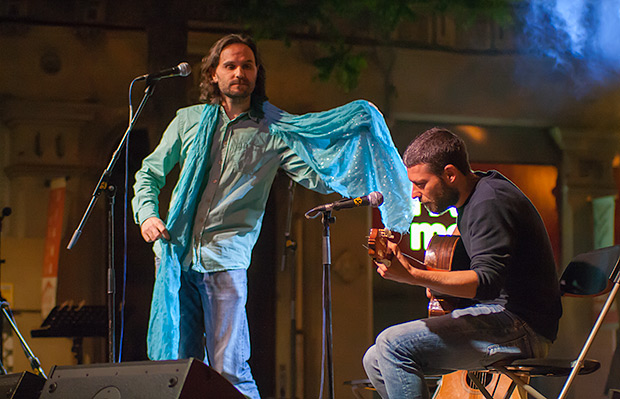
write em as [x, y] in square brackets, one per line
[458, 385]
[444, 253]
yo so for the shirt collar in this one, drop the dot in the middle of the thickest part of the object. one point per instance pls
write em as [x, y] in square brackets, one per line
[252, 114]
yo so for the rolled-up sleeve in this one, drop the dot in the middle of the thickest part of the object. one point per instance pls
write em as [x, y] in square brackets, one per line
[152, 175]
[301, 172]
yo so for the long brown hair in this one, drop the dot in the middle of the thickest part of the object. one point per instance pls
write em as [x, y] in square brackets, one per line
[210, 91]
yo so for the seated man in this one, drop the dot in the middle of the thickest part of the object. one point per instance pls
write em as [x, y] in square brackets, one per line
[511, 276]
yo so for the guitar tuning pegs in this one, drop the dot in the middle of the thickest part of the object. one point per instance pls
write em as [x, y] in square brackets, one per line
[387, 233]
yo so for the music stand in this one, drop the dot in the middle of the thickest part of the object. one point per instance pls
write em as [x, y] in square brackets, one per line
[75, 322]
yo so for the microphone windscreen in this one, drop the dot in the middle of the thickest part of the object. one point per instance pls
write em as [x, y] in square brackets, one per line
[375, 198]
[184, 69]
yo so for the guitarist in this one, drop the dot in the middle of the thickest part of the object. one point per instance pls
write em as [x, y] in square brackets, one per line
[511, 276]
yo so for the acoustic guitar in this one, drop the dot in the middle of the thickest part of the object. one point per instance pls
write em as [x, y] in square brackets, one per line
[447, 253]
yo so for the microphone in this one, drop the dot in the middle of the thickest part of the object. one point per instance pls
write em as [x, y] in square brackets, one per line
[183, 69]
[373, 199]
[6, 211]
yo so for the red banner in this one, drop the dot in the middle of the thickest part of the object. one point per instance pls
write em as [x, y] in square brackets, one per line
[55, 213]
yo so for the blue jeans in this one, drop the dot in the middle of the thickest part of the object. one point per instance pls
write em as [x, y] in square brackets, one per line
[469, 338]
[213, 318]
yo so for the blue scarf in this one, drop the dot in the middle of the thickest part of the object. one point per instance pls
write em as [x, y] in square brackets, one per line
[351, 149]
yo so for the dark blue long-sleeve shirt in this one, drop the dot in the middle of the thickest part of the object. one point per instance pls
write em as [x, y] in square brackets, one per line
[506, 240]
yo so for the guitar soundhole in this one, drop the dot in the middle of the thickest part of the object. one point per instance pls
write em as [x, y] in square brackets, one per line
[484, 377]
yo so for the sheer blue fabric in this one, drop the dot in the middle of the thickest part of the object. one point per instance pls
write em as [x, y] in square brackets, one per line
[350, 147]
[163, 334]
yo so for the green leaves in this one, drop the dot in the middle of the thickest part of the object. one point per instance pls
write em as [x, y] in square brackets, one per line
[340, 24]
[343, 64]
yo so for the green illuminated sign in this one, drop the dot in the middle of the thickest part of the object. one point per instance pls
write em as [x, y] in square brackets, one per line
[421, 232]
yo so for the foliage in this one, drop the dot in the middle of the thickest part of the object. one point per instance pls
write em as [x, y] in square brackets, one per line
[341, 63]
[340, 24]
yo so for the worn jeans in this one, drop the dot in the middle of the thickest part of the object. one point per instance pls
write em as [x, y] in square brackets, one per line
[469, 338]
[213, 318]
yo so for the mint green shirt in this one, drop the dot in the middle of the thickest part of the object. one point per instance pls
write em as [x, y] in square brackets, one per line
[243, 162]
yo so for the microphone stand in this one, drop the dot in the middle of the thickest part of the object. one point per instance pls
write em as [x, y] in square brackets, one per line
[326, 219]
[103, 185]
[8, 314]
[373, 199]
[290, 249]
[5, 212]
[34, 361]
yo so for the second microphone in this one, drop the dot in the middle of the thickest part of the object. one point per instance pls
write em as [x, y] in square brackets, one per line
[373, 199]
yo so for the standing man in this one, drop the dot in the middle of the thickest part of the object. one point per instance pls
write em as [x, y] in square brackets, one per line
[229, 151]
[511, 276]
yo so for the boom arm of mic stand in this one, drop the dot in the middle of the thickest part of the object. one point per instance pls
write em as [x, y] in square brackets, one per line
[105, 176]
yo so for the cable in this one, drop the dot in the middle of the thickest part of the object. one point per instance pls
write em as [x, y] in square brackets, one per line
[323, 340]
[125, 249]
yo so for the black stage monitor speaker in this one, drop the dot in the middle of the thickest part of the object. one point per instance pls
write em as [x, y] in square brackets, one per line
[174, 379]
[21, 386]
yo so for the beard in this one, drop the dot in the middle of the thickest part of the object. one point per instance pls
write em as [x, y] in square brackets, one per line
[446, 197]
[237, 92]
